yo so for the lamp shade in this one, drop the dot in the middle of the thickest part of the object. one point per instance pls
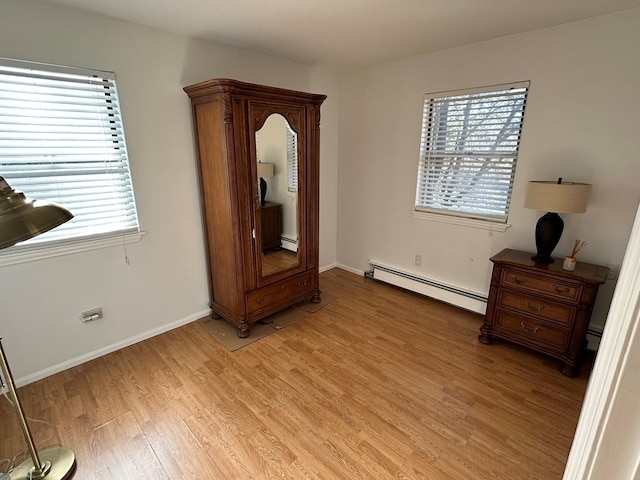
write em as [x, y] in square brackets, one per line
[265, 170]
[22, 218]
[557, 197]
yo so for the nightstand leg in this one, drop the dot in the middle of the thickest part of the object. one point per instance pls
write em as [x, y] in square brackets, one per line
[485, 337]
[569, 369]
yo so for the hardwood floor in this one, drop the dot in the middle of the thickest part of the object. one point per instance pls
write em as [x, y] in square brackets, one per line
[277, 260]
[380, 383]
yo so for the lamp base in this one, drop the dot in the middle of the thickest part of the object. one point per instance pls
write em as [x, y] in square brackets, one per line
[538, 258]
[263, 191]
[548, 232]
[58, 463]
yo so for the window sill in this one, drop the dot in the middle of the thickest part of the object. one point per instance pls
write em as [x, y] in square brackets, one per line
[30, 253]
[462, 221]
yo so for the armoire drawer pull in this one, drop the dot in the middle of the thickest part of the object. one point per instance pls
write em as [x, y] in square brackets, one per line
[261, 299]
[533, 308]
[519, 280]
[527, 329]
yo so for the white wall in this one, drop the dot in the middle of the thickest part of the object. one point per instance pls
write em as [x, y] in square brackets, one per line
[581, 123]
[164, 284]
[607, 437]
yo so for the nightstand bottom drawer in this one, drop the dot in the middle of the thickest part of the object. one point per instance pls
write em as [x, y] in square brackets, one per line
[528, 331]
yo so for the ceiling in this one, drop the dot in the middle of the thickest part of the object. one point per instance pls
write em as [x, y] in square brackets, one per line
[343, 34]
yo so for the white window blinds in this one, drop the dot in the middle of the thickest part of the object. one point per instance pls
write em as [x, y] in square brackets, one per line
[62, 140]
[292, 160]
[469, 148]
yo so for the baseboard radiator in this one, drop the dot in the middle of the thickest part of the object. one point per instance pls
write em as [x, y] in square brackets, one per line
[453, 295]
[289, 242]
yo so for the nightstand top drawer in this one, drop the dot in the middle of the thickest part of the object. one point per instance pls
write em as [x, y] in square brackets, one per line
[536, 284]
[584, 272]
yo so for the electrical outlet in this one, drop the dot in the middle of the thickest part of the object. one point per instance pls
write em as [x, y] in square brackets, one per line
[418, 260]
[91, 315]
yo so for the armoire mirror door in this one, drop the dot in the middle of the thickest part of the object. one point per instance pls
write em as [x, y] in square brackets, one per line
[279, 236]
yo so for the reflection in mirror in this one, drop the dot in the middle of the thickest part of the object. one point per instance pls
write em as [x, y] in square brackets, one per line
[277, 155]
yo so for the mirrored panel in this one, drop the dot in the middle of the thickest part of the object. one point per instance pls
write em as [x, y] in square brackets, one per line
[277, 156]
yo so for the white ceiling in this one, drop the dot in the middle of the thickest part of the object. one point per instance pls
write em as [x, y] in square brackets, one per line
[342, 34]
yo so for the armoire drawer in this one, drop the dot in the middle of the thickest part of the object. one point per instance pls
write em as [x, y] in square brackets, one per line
[291, 287]
[559, 314]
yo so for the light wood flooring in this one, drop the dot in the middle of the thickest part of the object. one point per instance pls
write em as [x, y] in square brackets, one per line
[277, 260]
[378, 384]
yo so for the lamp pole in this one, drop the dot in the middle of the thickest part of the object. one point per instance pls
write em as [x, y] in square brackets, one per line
[40, 470]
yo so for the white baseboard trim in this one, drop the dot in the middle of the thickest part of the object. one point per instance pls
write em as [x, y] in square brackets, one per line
[39, 375]
[327, 267]
[349, 269]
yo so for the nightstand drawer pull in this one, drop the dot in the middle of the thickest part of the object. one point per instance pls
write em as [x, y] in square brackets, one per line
[519, 280]
[302, 283]
[261, 299]
[561, 291]
[532, 307]
[527, 329]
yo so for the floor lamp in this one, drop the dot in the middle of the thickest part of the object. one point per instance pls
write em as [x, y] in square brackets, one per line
[22, 218]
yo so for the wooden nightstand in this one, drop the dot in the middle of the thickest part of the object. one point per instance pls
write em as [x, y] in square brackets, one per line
[271, 218]
[542, 306]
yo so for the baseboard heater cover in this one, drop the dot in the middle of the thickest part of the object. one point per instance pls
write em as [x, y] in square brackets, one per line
[453, 295]
[289, 242]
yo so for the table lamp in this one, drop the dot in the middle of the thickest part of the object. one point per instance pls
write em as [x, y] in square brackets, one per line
[265, 170]
[22, 218]
[553, 198]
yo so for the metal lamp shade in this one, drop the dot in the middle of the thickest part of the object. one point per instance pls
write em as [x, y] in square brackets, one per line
[22, 218]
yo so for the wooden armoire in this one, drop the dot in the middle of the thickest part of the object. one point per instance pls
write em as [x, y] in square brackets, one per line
[237, 125]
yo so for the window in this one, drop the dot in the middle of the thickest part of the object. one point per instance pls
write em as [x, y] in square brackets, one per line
[292, 160]
[468, 151]
[62, 140]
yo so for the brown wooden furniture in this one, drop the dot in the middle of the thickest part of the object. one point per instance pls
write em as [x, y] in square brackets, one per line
[542, 306]
[271, 222]
[227, 116]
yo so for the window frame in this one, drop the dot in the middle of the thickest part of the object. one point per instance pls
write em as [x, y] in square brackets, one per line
[81, 239]
[292, 159]
[436, 151]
